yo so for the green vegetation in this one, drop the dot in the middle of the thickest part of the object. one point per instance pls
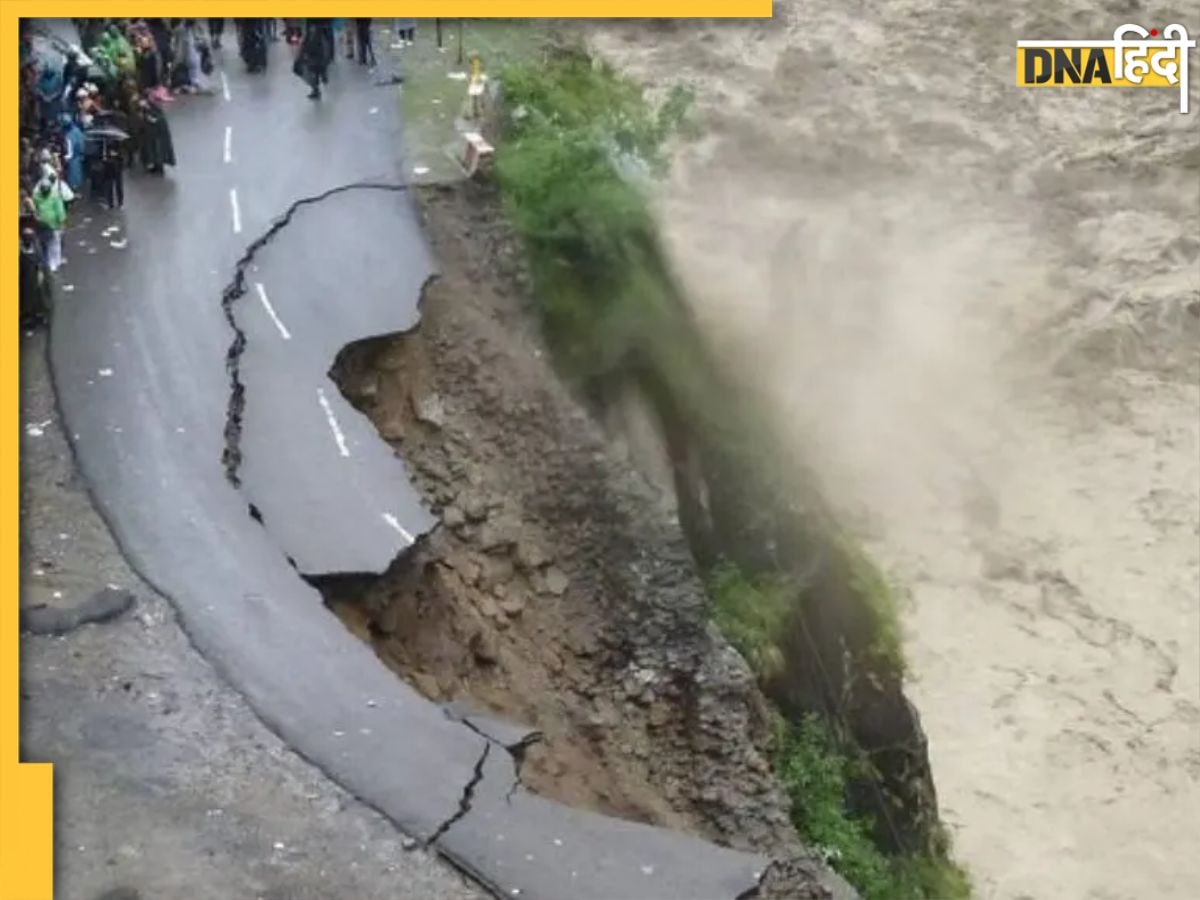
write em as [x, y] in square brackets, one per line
[814, 772]
[752, 614]
[882, 598]
[578, 131]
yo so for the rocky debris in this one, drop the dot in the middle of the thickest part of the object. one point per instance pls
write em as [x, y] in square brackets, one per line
[556, 581]
[429, 409]
[500, 533]
[513, 606]
[453, 517]
[530, 554]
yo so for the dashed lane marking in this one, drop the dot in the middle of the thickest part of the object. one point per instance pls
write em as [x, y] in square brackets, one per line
[262, 295]
[395, 523]
[333, 424]
[237, 213]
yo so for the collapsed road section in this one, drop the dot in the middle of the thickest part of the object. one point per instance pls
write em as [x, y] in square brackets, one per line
[287, 316]
[139, 352]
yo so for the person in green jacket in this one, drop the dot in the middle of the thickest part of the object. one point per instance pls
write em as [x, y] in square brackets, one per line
[52, 217]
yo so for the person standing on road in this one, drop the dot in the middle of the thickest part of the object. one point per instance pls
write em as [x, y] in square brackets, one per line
[312, 62]
[52, 218]
[366, 52]
[112, 175]
[156, 146]
[216, 27]
[34, 294]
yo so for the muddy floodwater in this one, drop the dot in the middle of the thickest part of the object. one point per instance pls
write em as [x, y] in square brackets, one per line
[979, 310]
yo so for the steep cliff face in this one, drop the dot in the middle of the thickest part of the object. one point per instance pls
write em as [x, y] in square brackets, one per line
[744, 502]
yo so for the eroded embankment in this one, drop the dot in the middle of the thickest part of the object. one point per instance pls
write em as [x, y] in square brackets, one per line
[556, 593]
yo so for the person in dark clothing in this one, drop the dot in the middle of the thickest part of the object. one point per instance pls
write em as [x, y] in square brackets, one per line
[216, 27]
[157, 149]
[161, 34]
[35, 288]
[254, 44]
[112, 176]
[149, 71]
[330, 38]
[312, 62]
[74, 74]
[366, 53]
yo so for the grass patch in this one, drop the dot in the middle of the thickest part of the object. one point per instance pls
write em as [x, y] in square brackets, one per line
[751, 614]
[882, 597]
[581, 138]
[815, 772]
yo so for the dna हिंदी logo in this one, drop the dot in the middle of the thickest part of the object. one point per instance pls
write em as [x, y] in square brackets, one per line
[1121, 62]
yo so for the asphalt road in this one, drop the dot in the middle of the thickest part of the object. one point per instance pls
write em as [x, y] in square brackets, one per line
[138, 352]
[165, 782]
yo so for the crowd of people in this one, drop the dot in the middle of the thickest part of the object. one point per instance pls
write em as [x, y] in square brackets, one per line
[92, 111]
[89, 112]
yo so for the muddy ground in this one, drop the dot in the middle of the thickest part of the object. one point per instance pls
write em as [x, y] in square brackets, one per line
[978, 309]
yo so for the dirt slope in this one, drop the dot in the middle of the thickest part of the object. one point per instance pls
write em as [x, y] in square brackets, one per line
[978, 308]
[559, 592]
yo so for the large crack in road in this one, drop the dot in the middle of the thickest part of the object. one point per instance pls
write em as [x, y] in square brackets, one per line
[231, 455]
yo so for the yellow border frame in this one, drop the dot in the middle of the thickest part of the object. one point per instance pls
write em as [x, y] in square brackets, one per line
[27, 789]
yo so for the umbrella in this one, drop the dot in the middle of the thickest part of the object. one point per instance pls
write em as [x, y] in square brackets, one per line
[106, 133]
[111, 118]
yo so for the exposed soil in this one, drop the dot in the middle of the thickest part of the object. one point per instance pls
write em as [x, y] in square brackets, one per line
[559, 591]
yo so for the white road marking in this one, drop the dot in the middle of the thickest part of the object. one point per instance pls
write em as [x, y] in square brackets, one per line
[395, 523]
[237, 213]
[224, 86]
[333, 425]
[228, 143]
[262, 295]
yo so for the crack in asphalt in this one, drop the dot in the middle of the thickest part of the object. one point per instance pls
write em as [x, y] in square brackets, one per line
[231, 455]
[464, 802]
[516, 750]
